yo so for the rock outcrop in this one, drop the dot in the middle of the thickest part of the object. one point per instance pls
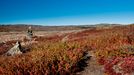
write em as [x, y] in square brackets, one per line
[16, 49]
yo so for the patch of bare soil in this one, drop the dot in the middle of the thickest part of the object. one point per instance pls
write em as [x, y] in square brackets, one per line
[16, 35]
[92, 67]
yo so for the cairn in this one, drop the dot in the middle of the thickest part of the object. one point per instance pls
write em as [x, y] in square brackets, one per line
[30, 33]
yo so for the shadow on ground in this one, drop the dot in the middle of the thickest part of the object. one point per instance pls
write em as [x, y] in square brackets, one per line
[82, 64]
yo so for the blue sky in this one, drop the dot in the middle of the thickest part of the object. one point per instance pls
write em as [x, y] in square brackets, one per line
[66, 12]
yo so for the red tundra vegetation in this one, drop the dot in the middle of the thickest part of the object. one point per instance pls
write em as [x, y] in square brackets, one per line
[113, 49]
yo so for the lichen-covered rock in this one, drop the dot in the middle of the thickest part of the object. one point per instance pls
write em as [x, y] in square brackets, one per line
[16, 49]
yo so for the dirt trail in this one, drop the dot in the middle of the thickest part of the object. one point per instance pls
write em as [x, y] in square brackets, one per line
[92, 67]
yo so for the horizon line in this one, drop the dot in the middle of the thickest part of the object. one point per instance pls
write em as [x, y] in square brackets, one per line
[67, 24]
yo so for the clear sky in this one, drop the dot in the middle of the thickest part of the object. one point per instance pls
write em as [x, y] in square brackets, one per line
[66, 12]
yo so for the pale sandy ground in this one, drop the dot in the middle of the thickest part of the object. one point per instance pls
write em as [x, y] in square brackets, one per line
[8, 36]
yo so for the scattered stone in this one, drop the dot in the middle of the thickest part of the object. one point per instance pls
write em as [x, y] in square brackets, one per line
[1, 43]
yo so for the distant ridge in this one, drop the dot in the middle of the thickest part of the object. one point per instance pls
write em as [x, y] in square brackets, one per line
[23, 27]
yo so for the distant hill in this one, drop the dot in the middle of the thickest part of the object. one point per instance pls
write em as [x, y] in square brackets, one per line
[6, 28]
[24, 27]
